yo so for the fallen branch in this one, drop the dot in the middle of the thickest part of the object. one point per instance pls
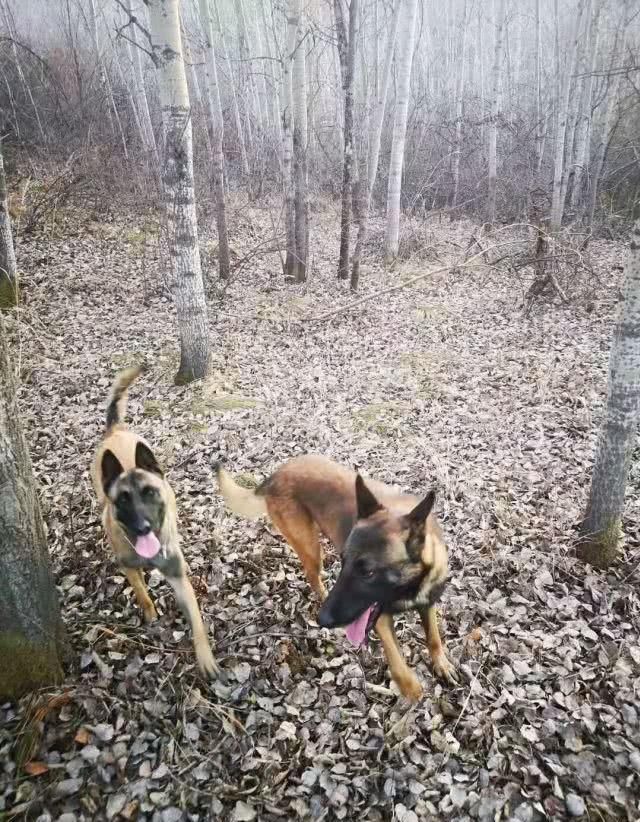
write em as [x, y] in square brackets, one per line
[404, 284]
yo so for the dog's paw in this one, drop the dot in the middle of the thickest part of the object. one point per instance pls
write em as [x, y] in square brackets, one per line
[149, 614]
[444, 669]
[409, 686]
[209, 668]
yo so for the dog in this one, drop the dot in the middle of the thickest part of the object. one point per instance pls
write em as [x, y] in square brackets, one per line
[393, 556]
[140, 519]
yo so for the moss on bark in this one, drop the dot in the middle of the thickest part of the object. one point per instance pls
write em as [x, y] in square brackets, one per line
[27, 665]
[600, 548]
[8, 293]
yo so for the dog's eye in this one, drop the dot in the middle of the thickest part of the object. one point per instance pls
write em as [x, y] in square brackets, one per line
[124, 498]
[148, 492]
[368, 573]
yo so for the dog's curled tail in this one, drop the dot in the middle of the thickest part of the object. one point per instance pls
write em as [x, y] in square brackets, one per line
[244, 502]
[117, 405]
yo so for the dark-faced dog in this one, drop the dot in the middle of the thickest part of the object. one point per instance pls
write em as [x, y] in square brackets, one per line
[393, 555]
[139, 517]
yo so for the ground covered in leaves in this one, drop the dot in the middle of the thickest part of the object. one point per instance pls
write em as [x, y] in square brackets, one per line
[445, 383]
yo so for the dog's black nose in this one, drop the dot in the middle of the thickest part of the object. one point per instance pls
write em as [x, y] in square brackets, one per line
[144, 530]
[326, 618]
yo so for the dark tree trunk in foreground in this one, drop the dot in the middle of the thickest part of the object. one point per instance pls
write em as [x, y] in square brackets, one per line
[32, 636]
[601, 529]
[347, 170]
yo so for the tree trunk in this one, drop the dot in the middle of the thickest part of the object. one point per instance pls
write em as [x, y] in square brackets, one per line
[216, 127]
[293, 15]
[583, 137]
[459, 109]
[564, 92]
[104, 77]
[404, 56]
[142, 103]
[33, 641]
[539, 118]
[300, 137]
[495, 110]
[8, 269]
[601, 528]
[244, 157]
[374, 143]
[182, 228]
[347, 168]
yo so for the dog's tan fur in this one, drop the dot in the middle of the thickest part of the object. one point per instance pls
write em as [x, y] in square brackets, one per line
[122, 443]
[310, 495]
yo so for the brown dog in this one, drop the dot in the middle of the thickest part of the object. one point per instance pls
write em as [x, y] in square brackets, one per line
[393, 555]
[139, 517]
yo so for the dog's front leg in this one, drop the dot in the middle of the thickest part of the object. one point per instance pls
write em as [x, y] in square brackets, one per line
[402, 674]
[135, 579]
[441, 664]
[186, 599]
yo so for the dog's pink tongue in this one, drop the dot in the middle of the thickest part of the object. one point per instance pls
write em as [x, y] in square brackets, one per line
[147, 546]
[357, 630]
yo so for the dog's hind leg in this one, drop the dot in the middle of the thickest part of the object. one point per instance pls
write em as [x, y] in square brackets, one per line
[441, 665]
[402, 674]
[186, 599]
[301, 532]
[136, 581]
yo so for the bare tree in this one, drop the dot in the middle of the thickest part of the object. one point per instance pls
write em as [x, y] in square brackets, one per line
[459, 108]
[563, 94]
[8, 268]
[374, 142]
[300, 138]
[182, 229]
[495, 111]
[33, 641]
[293, 18]
[602, 526]
[140, 91]
[216, 126]
[404, 56]
[349, 60]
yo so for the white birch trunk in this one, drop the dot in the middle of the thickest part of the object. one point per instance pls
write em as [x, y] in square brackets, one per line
[349, 148]
[602, 526]
[564, 89]
[104, 77]
[8, 268]
[374, 142]
[404, 53]
[300, 137]
[495, 111]
[293, 16]
[244, 158]
[539, 119]
[140, 91]
[459, 109]
[583, 137]
[186, 277]
[216, 127]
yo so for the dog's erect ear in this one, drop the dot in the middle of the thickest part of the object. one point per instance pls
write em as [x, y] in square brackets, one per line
[417, 521]
[146, 460]
[111, 470]
[366, 503]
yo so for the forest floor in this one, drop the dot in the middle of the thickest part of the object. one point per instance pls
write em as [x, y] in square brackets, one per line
[445, 383]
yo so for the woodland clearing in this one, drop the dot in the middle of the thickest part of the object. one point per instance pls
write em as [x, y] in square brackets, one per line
[445, 383]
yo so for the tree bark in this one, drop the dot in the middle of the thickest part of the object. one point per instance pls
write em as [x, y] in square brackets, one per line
[8, 268]
[140, 92]
[216, 128]
[182, 228]
[564, 92]
[404, 56]
[293, 16]
[601, 528]
[459, 109]
[495, 111]
[33, 643]
[374, 143]
[347, 168]
[300, 138]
